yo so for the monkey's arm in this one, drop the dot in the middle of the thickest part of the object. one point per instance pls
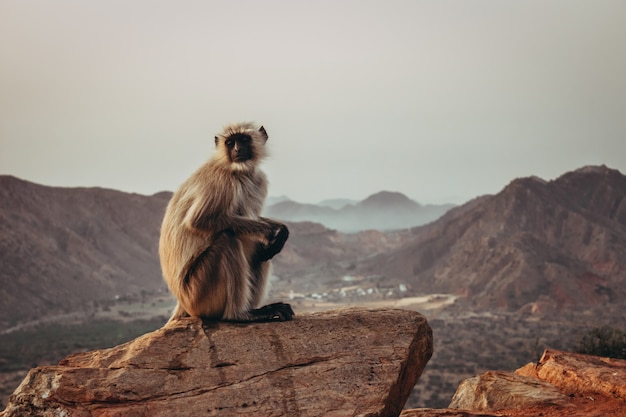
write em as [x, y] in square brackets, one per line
[209, 215]
[237, 224]
[274, 223]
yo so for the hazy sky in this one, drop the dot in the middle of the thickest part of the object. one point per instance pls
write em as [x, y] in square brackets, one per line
[441, 100]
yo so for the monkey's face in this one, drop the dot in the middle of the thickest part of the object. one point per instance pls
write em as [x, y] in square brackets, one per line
[239, 147]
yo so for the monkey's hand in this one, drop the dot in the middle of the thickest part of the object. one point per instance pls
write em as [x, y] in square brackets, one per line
[275, 241]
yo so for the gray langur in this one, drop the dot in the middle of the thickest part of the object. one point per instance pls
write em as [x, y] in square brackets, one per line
[214, 246]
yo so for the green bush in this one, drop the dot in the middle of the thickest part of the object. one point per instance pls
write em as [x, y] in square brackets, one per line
[604, 341]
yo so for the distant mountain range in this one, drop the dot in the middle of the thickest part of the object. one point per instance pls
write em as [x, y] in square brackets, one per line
[535, 246]
[381, 211]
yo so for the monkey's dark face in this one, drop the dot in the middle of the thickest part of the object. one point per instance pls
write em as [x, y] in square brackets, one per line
[240, 148]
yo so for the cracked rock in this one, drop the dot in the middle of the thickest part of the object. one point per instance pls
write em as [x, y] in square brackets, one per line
[353, 362]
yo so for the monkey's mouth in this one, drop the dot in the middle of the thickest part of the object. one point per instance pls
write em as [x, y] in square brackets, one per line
[240, 158]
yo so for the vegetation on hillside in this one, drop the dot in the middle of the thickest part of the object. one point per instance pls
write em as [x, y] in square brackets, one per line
[604, 341]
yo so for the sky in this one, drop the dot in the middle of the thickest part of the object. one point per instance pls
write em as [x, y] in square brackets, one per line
[441, 100]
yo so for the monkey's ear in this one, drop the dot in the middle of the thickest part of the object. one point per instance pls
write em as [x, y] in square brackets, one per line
[263, 132]
[216, 139]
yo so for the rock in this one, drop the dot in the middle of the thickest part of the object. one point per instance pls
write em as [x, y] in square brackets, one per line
[446, 412]
[497, 390]
[348, 362]
[529, 370]
[562, 383]
[575, 373]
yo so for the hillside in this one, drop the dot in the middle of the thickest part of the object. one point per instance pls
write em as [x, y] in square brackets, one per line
[315, 255]
[535, 245]
[62, 249]
[381, 211]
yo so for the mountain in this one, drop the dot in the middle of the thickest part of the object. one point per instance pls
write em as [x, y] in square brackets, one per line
[536, 245]
[336, 203]
[63, 248]
[314, 254]
[382, 211]
[275, 200]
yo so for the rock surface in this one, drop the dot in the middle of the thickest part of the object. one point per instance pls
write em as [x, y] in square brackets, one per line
[346, 362]
[583, 374]
[562, 383]
[497, 390]
[448, 412]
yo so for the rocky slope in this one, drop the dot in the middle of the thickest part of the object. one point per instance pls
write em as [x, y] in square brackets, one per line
[536, 245]
[561, 383]
[314, 251]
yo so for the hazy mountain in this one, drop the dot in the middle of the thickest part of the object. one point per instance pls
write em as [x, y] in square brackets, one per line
[336, 203]
[275, 200]
[382, 211]
[61, 248]
[536, 244]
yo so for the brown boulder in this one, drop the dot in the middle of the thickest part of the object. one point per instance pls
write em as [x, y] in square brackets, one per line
[445, 412]
[346, 362]
[562, 383]
[575, 373]
[497, 390]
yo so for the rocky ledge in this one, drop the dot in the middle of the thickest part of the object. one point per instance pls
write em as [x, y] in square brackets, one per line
[354, 362]
[560, 384]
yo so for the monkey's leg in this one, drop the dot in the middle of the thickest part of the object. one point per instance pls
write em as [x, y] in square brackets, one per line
[257, 273]
[205, 290]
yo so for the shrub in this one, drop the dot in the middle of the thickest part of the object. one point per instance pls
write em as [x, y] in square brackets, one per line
[604, 341]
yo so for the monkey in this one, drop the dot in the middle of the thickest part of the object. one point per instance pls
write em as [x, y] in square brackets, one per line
[215, 248]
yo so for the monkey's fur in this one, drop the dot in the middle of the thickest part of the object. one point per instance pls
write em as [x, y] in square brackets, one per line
[214, 247]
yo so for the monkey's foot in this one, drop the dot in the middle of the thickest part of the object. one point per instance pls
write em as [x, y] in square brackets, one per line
[272, 312]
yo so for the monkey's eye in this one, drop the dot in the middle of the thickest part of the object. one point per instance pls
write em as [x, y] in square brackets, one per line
[229, 142]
